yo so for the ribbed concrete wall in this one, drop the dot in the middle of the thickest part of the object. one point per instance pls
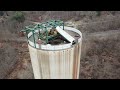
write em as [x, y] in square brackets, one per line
[62, 64]
[56, 61]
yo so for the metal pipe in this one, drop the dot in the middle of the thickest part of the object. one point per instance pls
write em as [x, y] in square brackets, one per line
[34, 39]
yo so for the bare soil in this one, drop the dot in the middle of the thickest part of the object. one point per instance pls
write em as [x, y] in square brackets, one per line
[99, 60]
[100, 57]
[15, 60]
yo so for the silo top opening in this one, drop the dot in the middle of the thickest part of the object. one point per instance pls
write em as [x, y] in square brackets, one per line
[52, 35]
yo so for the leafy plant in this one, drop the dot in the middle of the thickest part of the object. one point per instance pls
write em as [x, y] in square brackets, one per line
[18, 16]
[98, 13]
[1, 13]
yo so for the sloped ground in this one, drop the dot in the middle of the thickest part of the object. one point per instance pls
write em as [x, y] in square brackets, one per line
[99, 60]
[8, 59]
[100, 57]
[15, 60]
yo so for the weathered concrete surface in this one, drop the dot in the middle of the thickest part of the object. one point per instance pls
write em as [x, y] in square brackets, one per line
[62, 64]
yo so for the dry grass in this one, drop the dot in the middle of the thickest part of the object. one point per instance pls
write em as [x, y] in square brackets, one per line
[91, 16]
[102, 60]
[105, 24]
[7, 59]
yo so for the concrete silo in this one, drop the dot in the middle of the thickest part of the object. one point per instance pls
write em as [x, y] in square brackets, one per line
[55, 50]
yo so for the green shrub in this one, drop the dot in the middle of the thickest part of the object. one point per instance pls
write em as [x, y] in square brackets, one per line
[1, 13]
[18, 16]
[98, 13]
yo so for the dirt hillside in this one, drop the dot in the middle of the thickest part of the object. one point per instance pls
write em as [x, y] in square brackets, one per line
[100, 57]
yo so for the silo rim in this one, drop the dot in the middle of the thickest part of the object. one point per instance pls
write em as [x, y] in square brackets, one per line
[56, 47]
